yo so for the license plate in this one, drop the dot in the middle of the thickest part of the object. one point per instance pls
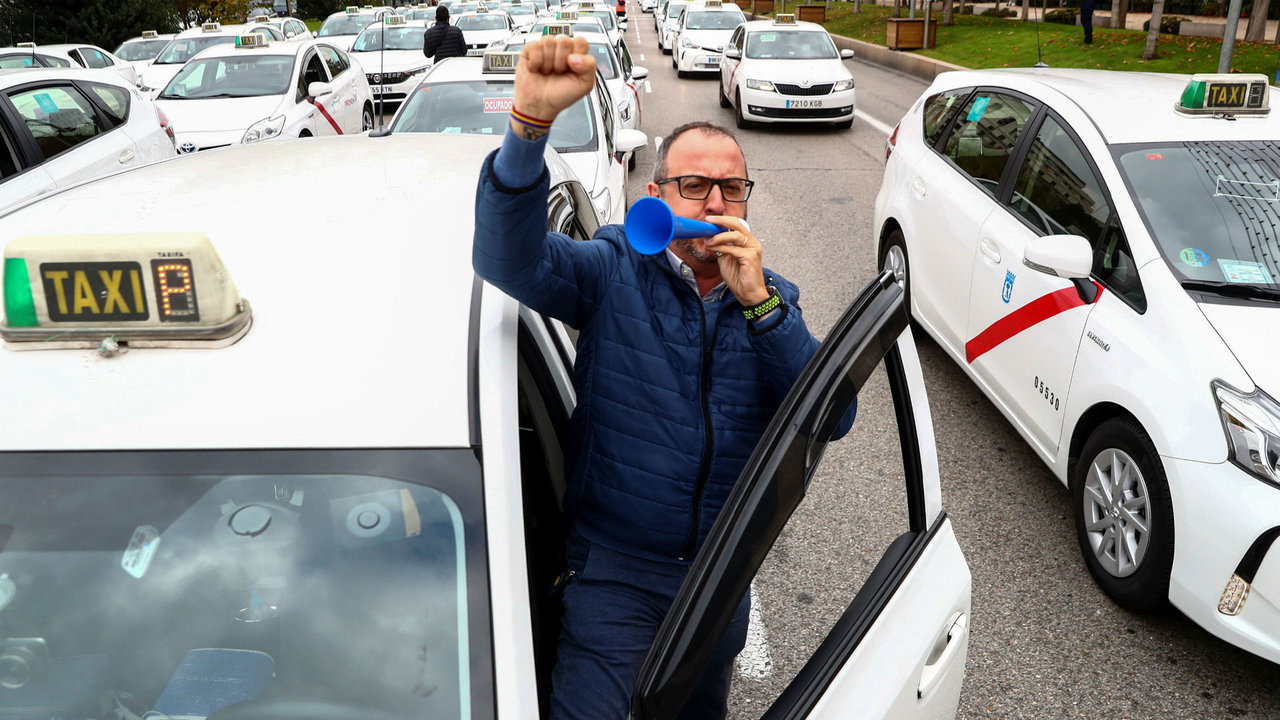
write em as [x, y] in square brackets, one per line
[804, 103]
[376, 89]
[712, 61]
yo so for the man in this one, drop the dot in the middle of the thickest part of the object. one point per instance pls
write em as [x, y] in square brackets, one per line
[675, 384]
[1086, 20]
[443, 40]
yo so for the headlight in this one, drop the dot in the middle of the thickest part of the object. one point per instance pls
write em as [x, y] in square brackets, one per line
[764, 85]
[687, 43]
[1252, 424]
[418, 71]
[264, 129]
[842, 85]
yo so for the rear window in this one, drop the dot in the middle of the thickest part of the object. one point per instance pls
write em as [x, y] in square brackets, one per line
[938, 111]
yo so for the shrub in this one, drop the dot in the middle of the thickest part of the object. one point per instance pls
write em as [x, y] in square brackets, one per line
[999, 12]
[968, 10]
[1168, 24]
[1062, 16]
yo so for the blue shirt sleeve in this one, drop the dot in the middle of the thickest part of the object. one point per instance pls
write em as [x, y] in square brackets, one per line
[519, 161]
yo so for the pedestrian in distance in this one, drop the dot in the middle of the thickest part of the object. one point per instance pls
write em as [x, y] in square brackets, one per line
[1086, 19]
[683, 359]
[443, 40]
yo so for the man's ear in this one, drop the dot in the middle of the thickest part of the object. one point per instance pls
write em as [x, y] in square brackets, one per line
[653, 189]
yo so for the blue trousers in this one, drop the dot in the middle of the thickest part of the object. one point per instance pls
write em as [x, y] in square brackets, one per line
[612, 608]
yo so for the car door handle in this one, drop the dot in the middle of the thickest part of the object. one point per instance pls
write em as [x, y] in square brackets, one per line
[127, 156]
[934, 672]
[917, 187]
[989, 249]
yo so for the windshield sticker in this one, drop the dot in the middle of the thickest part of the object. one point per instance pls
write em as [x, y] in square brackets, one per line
[768, 37]
[979, 108]
[498, 104]
[46, 103]
[1155, 156]
[1240, 271]
[1009, 277]
[142, 548]
[1195, 257]
[1245, 190]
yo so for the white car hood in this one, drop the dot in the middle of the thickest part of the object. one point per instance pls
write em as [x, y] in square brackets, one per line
[793, 71]
[220, 114]
[1249, 332]
[713, 39]
[342, 42]
[478, 37]
[390, 61]
[157, 76]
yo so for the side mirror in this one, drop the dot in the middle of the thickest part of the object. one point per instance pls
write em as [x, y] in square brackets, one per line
[627, 140]
[733, 53]
[1066, 256]
[639, 73]
[846, 54]
[316, 89]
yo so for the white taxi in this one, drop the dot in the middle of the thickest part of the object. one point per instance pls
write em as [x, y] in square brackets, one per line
[24, 55]
[341, 28]
[91, 56]
[289, 483]
[1098, 252]
[253, 91]
[140, 51]
[781, 70]
[702, 34]
[523, 14]
[65, 126]
[291, 28]
[602, 13]
[669, 23]
[390, 53]
[484, 28]
[474, 96]
[187, 43]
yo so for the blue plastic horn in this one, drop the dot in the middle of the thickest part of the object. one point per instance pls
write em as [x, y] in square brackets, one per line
[651, 226]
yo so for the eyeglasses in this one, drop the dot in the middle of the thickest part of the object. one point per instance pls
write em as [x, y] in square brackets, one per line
[697, 187]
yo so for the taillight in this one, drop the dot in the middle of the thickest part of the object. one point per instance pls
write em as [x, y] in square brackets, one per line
[164, 125]
[893, 140]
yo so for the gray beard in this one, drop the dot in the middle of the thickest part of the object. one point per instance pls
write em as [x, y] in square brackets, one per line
[690, 246]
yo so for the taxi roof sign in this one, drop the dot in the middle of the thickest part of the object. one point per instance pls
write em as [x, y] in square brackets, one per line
[784, 19]
[252, 40]
[26, 45]
[551, 29]
[262, 18]
[567, 15]
[211, 27]
[712, 3]
[1225, 94]
[159, 289]
[352, 10]
[395, 20]
[150, 33]
[501, 61]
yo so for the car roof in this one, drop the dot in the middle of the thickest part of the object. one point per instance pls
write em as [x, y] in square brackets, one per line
[159, 36]
[757, 25]
[222, 30]
[464, 68]
[103, 76]
[361, 324]
[278, 47]
[1126, 107]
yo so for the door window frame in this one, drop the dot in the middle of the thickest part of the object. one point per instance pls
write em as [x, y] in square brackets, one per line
[1015, 153]
[26, 143]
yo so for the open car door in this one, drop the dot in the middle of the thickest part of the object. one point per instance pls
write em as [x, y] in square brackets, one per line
[899, 648]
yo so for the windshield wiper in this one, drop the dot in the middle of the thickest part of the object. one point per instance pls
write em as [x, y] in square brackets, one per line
[1227, 289]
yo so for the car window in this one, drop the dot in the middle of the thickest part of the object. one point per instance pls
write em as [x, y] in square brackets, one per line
[984, 135]
[10, 164]
[179, 51]
[115, 99]
[269, 32]
[938, 111]
[604, 60]
[1114, 266]
[335, 62]
[606, 115]
[313, 71]
[15, 62]
[624, 57]
[58, 118]
[140, 49]
[1056, 190]
[52, 61]
[90, 57]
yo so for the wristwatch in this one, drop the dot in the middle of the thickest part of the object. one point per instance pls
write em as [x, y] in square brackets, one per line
[773, 302]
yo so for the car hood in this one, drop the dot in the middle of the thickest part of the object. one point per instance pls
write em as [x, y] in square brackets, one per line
[791, 71]
[713, 39]
[473, 37]
[219, 114]
[157, 76]
[1249, 334]
[390, 61]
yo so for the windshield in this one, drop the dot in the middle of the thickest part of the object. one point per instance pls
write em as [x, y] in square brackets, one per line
[1212, 207]
[140, 49]
[482, 22]
[606, 18]
[370, 40]
[231, 77]
[578, 27]
[604, 60]
[791, 45]
[344, 25]
[181, 50]
[177, 584]
[484, 108]
[712, 21]
[521, 9]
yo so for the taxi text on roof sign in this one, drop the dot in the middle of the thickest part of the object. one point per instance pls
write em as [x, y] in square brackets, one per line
[211, 27]
[568, 15]
[262, 18]
[353, 10]
[150, 33]
[157, 289]
[395, 20]
[252, 40]
[557, 29]
[26, 45]
[712, 3]
[1225, 94]
[500, 61]
[784, 19]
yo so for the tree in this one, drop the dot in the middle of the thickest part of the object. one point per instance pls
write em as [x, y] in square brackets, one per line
[1256, 30]
[318, 9]
[1026, 10]
[194, 12]
[1153, 31]
[948, 12]
[1119, 12]
[106, 23]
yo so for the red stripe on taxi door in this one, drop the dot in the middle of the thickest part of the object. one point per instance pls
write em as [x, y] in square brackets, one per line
[1025, 317]
[327, 116]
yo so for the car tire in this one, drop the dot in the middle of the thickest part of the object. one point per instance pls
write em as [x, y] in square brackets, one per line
[893, 256]
[631, 162]
[738, 119]
[304, 134]
[675, 65]
[724, 101]
[366, 118]
[1137, 506]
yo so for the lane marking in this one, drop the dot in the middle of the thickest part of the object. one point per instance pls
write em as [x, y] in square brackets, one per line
[878, 125]
[1024, 318]
[647, 87]
[642, 57]
[755, 662]
[657, 143]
